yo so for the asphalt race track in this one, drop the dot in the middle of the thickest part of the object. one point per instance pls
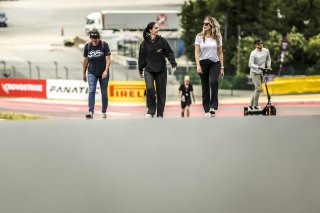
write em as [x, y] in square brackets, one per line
[222, 164]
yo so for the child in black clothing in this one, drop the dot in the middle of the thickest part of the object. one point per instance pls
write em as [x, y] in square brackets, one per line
[185, 92]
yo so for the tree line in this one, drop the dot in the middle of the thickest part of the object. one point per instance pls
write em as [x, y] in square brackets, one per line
[242, 21]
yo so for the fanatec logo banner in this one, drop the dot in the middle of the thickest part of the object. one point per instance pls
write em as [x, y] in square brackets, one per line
[69, 90]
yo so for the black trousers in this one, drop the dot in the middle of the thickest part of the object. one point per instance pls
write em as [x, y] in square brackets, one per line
[209, 81]
[153, 105]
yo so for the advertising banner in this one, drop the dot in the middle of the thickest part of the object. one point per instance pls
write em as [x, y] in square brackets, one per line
[126, 91]
[30, 88]
[70, 90]
[118, 91]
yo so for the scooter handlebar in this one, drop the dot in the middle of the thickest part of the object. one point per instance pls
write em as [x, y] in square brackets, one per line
[264, 70]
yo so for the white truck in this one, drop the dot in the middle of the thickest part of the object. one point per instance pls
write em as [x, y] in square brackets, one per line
[131, 20]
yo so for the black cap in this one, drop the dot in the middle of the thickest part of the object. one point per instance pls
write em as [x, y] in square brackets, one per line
[94, 33]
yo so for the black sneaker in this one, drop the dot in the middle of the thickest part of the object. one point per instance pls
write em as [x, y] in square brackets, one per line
[89, 115]
[250, 107]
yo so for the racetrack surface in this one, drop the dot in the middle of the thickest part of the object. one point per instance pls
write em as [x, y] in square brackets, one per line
[222, 164]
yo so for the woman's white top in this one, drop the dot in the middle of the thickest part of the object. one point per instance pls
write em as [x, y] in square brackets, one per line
[209, 48]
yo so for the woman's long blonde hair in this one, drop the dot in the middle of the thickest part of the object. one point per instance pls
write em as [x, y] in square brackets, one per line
[215, 29]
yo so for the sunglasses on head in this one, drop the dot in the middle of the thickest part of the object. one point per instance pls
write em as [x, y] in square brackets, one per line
[205, 23]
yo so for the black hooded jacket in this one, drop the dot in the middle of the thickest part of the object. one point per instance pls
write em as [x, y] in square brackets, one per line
[152, 55]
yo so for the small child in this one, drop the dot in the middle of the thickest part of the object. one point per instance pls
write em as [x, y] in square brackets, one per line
[185, 92]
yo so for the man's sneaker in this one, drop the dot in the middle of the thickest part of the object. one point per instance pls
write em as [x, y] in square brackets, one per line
[104, 115]
[149, 116]
[257, 107]
[211, 111]
[250, 107]
[207, 115]
[89, 115]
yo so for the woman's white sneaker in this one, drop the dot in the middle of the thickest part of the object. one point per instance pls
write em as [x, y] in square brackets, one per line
[149, 116]
[207, 115]
[211, 111]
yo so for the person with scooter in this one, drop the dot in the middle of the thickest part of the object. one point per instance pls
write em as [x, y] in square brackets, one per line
[259, 60]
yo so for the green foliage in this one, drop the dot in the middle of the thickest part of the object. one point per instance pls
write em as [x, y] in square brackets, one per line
[237, 82]
[267, 19]
[274, 44]
[246, 47]
[192, 15]
[240, 82]
[297, 43]
[313, 49]
[226, 82]
[194, 76]
[314, 70]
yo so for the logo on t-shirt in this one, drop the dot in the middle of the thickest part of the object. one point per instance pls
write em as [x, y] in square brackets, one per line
[95, 54]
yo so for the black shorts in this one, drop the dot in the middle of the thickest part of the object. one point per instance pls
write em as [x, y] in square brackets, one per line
[185, 104]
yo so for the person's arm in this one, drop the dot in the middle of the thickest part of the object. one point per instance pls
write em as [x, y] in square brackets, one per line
[268, 60]
[107, 53]
[251, 63]
[170, 55]
[220, 56]
[197, 57]
[142, 59]
[84, 68]
[180, 94]
[106, 71]
[191, 90]
[85, 62]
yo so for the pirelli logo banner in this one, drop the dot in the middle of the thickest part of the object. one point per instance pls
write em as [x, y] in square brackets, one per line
[126, 91]
[118, 91]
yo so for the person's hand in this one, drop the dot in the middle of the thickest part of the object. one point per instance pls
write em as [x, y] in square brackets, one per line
[84, 77]
[182, 98]
[105, 74]
[174, 69]
[222, 73]
[199, 70]
[142, 74]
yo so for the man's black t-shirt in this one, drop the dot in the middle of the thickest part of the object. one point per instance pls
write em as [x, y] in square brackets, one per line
[97, 57]
[186, 92]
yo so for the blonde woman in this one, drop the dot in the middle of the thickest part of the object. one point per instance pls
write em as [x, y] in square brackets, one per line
[209, 60]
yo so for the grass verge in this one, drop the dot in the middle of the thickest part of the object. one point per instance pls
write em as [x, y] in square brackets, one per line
[19, 116]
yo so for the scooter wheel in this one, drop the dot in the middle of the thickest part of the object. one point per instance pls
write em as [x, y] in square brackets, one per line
[245, 111]
[273, 111]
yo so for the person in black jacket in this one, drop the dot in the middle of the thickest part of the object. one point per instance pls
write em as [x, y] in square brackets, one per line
[154, 50]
